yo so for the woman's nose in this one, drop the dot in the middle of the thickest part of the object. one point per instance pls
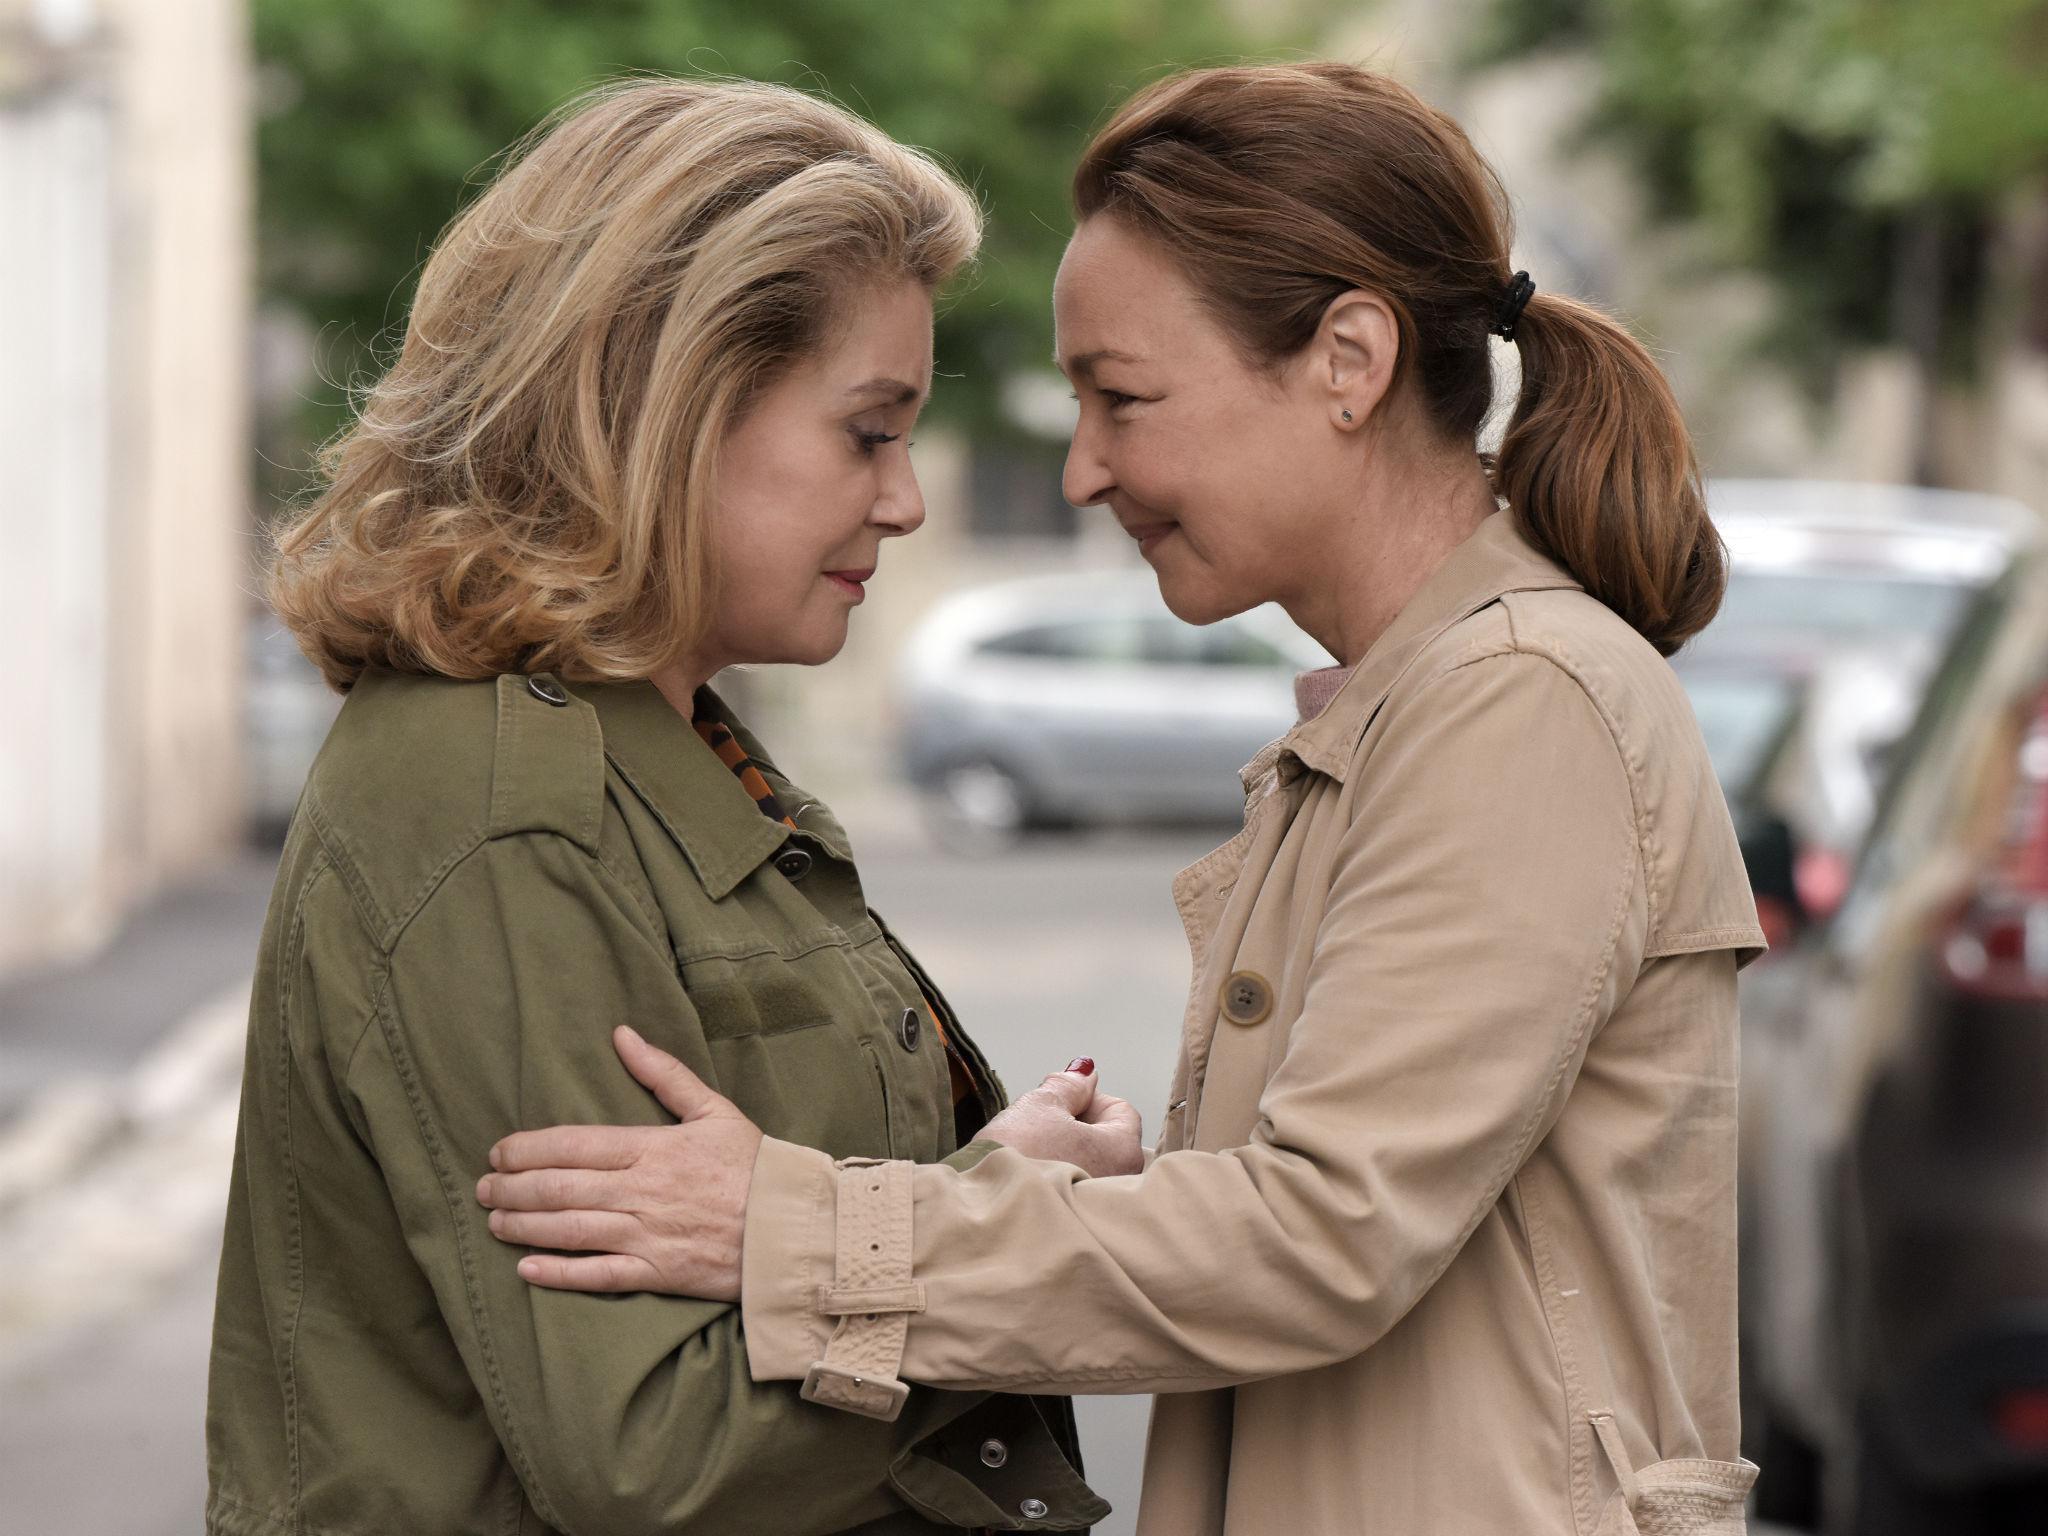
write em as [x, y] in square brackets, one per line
[900, 509]
[1085, 480]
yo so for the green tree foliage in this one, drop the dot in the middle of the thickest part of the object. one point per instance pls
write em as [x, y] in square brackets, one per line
[1857, 150]
[381, 116]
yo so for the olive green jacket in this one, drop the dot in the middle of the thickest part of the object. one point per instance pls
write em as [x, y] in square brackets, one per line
[481, 881]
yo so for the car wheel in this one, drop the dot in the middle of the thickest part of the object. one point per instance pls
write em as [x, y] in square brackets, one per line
[978, 807]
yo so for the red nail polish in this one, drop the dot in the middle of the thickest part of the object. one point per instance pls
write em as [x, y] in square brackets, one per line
[1085, 1065]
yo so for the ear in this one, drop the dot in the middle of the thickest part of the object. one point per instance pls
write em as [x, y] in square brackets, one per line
[1354, 352]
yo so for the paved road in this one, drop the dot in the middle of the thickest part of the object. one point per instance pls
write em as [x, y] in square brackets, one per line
[1065, 949]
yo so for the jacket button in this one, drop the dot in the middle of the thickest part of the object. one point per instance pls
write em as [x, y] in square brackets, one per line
[1247, 998]
[793, 863]
[1032, 1509]
[547, 690]
[910, 1029]
[994, 1453]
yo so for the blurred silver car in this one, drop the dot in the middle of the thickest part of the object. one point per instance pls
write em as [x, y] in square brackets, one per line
[1056, 701]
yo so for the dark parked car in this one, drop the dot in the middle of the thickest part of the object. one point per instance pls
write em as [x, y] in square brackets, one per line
[1896, 1131]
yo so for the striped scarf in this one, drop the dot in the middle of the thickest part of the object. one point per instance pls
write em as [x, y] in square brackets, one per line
[719, 739]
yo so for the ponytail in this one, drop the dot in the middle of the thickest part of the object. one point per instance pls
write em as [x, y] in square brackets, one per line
[1598, 468]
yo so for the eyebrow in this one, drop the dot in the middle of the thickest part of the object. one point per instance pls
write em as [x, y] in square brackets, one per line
[891, 391]
[1085, 363]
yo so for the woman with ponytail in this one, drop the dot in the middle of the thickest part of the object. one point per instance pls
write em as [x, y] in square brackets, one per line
[1438, 1237]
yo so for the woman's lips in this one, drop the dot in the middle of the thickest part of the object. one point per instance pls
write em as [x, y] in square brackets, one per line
[1148, 535]
[852, 583]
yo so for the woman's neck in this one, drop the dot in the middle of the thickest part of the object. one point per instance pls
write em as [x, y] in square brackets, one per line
[679, 683]
[1407, 521]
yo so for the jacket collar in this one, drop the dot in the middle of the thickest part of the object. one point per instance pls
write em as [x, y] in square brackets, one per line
[1493, 562]
[699, 800]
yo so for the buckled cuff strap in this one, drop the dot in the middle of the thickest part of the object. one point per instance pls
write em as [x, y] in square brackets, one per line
[871, 1292]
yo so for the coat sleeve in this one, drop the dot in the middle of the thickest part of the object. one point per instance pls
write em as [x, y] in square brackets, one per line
[620, 1414]
[1486, 914]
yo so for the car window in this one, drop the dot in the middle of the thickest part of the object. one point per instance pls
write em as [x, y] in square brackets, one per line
[1167, 642]
[1232, 645]
[1838, 609]
[1953, 679]
[1934, 722]
[1741, 718]
[1151, 640]
[1086, 640]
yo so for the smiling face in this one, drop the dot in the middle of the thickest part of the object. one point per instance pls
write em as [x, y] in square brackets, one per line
[812, 480]
[1226, 474]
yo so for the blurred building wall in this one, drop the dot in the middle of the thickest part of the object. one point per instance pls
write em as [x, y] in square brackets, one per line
[124, 231]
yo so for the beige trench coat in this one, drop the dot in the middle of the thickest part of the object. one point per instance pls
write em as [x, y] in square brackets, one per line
[1439, 1239]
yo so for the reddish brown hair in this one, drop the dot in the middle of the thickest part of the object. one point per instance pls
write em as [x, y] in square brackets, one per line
[1279, 187]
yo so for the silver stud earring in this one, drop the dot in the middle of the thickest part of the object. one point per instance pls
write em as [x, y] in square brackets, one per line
[1347, 415]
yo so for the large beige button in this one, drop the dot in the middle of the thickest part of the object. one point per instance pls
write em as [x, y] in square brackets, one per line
[1247, 998]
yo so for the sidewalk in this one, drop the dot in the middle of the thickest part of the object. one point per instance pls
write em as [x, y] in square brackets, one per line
[119, 1076]
[98, 1014]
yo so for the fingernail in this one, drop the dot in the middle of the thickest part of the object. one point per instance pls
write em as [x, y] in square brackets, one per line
[483, 1190]
[1085, 1065]
[494, 1157]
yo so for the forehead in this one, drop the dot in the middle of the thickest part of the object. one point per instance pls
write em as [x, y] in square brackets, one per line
[880, 330]
[1119, 292]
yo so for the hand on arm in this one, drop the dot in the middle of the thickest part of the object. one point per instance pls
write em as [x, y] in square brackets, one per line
[650, 1208]
[663, 1208]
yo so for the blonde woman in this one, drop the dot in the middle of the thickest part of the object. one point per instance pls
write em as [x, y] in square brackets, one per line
[649, 420]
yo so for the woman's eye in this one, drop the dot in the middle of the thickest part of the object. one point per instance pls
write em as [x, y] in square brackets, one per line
[1116, 398]
[870, 441]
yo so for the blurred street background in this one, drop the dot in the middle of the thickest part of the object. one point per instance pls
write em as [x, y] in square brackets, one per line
[1829, 218]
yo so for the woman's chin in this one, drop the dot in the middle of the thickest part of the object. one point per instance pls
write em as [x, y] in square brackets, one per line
[1193, 600]
[817, 647]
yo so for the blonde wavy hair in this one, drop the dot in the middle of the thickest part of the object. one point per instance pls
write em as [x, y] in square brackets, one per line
[525, 489]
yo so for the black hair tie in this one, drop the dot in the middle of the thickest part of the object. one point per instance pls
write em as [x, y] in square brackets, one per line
[1508, 308]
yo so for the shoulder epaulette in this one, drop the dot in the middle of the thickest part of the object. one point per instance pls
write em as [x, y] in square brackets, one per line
[547, 768]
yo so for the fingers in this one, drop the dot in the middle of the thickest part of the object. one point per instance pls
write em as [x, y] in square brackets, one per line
[570, 1146]
[604, 1272]
[1112, 1113]
[555, 1189]
[681, 1091]
[603, 1231]
[1069, 1091]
